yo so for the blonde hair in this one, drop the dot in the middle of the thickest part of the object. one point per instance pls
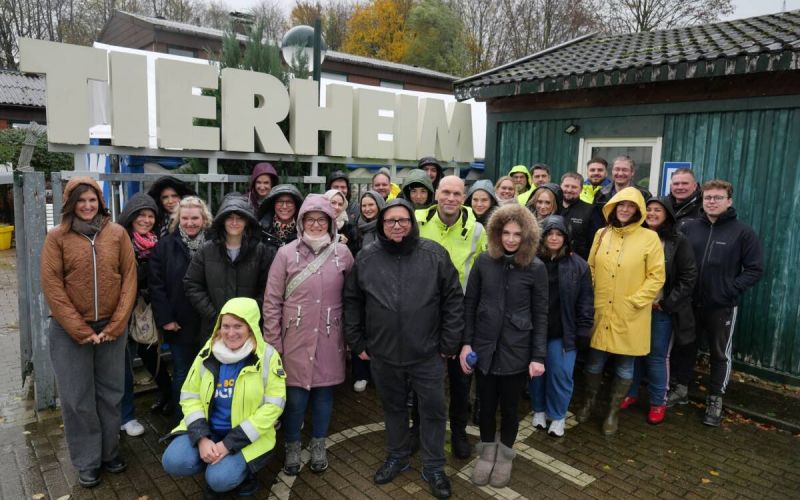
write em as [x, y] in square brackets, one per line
[190, 202]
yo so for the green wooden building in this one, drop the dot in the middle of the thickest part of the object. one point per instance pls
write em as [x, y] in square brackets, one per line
[724, 97]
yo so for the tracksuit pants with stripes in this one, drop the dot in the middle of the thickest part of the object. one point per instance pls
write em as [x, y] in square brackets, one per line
[716, 326]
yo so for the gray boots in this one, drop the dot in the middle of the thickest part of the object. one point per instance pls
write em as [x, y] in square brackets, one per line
[592, 387]
[291, 462]
[319, 456]
[487, 454]
[619, 388]
[501, 474]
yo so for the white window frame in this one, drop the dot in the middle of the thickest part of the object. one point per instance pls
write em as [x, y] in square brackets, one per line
[586, 145]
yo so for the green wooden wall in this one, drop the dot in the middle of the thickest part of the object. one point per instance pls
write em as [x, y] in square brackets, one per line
[758, 150]
[529, 142]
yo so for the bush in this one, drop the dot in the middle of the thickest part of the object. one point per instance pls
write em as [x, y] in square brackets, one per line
[11, 141]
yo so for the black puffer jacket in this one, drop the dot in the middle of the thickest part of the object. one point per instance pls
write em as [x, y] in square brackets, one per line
[403, 302]
[266, 212]
[681, 275]
[212, 278]
[168, 264]
[575, 292]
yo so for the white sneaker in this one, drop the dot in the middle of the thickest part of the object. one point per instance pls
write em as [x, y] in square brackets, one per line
[539, 420]
[132, 428]
[557, 428]
[360, 386]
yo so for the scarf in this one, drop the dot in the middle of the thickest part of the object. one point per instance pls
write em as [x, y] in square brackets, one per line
[341, 220]
[229, 356]
[316, 244]
[367, 230]
[87, 228]
[510, 201]
[283, 231]
[193, 244]
[142, 244]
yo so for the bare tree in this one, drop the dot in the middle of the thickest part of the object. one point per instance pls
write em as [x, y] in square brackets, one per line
[647, 15]
[272, 17]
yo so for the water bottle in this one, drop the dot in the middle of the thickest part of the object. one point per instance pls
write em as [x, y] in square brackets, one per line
[472, 359]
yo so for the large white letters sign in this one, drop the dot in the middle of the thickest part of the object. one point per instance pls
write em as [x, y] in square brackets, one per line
[354, 122]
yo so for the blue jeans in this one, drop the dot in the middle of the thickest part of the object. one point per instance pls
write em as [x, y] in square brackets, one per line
[183, 459]
[297, 400]
[552, 392]
[182, 358]
[623, 364]
[126, 405]
[655, 364]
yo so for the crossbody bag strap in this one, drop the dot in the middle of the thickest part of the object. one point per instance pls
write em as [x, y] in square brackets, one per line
[308, 271]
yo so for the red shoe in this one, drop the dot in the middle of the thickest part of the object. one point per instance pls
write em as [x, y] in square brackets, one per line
[628, 401]
[656, 414]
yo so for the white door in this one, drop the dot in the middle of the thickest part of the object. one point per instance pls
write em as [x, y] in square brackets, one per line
[645, 151]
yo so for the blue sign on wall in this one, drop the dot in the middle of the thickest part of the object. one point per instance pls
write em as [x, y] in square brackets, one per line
[669, 167]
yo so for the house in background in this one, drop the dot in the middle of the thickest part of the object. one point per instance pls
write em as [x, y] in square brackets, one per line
[22, 99]
[724, 97]
[142, 32]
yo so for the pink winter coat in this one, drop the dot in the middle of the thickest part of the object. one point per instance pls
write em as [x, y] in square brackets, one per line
[306, 328]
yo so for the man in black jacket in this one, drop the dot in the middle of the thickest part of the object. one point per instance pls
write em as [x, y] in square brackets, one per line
[685, 195]
[623, 173]
[404, 311]
[729, 261]
[577, 214]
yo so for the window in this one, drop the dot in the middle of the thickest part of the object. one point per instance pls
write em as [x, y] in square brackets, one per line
[391, 85]
[178, 51]
[645, 151]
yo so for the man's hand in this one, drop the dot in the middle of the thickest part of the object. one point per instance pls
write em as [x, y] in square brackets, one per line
[462, 358]
[363, 356]
[535, 369]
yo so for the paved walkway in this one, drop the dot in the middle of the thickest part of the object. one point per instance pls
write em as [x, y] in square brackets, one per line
[680, 458]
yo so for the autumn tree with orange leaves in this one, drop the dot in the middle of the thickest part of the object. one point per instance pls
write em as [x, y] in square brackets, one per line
[378, 29]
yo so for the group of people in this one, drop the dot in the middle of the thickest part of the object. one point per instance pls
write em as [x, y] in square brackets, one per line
[422, 282]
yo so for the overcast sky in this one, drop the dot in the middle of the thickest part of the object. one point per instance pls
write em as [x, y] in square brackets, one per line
[744, 8]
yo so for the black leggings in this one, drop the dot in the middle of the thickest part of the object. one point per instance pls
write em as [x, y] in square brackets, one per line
[503, 390]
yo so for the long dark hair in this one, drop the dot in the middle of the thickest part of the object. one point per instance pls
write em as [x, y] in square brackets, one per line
[68, 208]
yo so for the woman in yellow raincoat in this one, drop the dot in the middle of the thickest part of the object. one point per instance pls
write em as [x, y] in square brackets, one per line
[627, 264]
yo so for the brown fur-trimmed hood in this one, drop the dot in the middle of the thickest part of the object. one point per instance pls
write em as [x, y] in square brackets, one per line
[530, 233]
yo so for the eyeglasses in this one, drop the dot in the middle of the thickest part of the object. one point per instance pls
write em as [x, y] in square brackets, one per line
[714, 198]
[404, 222]
[321, 222]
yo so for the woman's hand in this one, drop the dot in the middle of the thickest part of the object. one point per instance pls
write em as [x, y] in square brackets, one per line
[172, 326]
[208, 450]
[92, 339]
[535, 369]
[343, 239]
[462, 358]
[363, 356]
[221, 450]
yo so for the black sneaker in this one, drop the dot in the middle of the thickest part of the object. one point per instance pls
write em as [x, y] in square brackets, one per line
[248, 487]
[713, 415]
[89, 478]
[440, 485]
[679, 395]
[390, 469]
[115, 466]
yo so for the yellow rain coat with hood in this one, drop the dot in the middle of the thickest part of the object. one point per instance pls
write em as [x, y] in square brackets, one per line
[259, 394]
[627, 265]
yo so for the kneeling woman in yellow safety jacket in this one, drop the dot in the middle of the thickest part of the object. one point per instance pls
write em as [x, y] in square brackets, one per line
[232, 397]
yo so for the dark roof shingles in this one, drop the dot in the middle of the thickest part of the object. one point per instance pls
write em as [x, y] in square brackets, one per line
[19, 89]
[594, 55]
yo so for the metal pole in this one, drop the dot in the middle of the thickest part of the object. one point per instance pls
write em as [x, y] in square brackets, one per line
[317, 68]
